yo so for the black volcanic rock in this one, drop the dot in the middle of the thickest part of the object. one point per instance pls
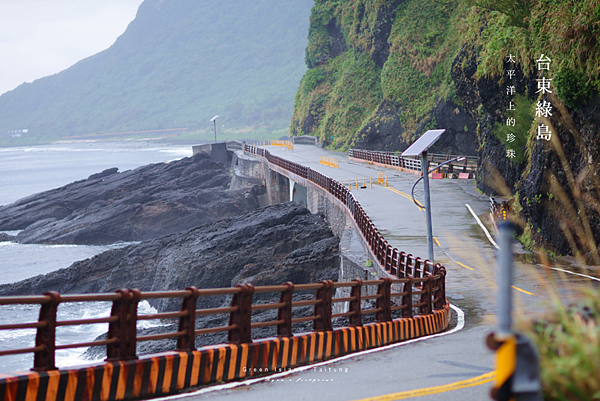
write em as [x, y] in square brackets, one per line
[135, 205]
[6, 237]
[271, 245]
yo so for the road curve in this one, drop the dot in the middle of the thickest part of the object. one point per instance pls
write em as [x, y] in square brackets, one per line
[456, 366]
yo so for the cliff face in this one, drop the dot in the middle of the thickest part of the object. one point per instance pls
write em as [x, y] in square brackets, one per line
[554, 184]
[379, 76]
[402, 67]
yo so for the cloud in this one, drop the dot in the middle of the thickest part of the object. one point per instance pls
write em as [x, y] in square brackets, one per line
[43, 37]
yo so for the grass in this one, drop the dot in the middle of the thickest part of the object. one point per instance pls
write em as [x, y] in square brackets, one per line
[568, 337]
[568, 344]
[567, 31]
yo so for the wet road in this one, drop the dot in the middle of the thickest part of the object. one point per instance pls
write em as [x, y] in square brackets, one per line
[469, 257]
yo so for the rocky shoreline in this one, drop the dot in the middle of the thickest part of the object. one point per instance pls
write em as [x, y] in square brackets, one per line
[267, 246]
[194, 231]
[135, 205]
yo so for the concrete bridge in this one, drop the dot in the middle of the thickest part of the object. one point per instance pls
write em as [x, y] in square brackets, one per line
[455, 366]
[454, 362]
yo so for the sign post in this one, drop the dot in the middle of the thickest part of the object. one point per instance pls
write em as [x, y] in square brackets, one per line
[517, 364]
[425, 172]
[214, 120]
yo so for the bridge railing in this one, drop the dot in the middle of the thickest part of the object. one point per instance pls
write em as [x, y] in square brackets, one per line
[398, 264]
[122, 336]
[468, 165]
[421, 286]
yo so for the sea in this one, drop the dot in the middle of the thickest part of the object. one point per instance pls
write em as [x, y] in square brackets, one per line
[25, 171]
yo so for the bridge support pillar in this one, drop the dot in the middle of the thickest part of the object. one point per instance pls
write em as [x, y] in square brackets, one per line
[278, 187]
[298, 193]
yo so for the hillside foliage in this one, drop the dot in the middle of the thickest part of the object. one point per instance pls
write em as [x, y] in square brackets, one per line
[424, 39]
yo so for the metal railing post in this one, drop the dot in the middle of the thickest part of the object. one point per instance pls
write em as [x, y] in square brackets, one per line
[46, 335]
[285, 312]
[416, 273]
[187, 323]
[124, 328]
[441, 284]
[355, 304]
[426, 295]
[384, 302]
[242, 317]
[407, 298]
[323, 308]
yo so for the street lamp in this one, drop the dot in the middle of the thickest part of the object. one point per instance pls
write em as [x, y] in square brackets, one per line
[214, 120]
[412, 192]
[419, 148]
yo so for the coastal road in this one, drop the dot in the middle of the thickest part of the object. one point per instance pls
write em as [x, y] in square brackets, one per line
[452, 366]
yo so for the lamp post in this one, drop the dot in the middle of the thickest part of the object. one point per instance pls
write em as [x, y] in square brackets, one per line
[214, 120]
[425, 178]
[419, 148]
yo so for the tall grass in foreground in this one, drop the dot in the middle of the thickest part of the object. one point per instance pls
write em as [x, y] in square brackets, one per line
[568, 344]
[568, 337]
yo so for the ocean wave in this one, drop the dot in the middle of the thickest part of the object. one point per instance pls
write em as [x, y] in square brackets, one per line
[25, 338]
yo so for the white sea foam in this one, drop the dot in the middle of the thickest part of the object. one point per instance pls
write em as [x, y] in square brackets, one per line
[25, 338]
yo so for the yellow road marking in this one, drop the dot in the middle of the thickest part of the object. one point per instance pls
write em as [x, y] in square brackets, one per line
[523, 291]
[475, 381]
[406, 196]
[437, 242]
[515, 287]
[463, 265]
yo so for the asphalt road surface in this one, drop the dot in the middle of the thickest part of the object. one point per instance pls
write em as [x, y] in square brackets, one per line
[453, 366]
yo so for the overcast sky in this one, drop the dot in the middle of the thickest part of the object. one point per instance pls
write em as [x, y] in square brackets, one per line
[42, 37]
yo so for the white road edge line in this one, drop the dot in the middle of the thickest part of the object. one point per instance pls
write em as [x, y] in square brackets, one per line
[487, 233]
[460, 323]
[579, 274]
[497, 247]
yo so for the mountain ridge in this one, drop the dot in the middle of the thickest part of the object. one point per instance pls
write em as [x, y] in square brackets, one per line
[176, 65]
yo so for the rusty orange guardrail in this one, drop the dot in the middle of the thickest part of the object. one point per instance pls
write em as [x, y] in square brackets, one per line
[410, 305]
[390, 259]
[122, 335]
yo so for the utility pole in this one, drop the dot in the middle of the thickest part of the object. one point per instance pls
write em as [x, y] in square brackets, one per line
[419, 148]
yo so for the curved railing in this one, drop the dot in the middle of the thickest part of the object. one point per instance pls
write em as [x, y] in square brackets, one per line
[409, 305]
[122, 336]
[397, 264]
[469, 165]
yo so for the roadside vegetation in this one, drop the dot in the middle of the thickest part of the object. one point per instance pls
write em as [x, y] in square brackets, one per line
[341, 92]
[568, 337]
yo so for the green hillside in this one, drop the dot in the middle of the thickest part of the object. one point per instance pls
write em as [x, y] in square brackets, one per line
[178, 64]
[377, 70]
[380, 73]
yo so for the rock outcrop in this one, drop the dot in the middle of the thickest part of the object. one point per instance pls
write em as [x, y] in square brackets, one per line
[541, 179]
[135, 205]
[270, 245]
[6, 237]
